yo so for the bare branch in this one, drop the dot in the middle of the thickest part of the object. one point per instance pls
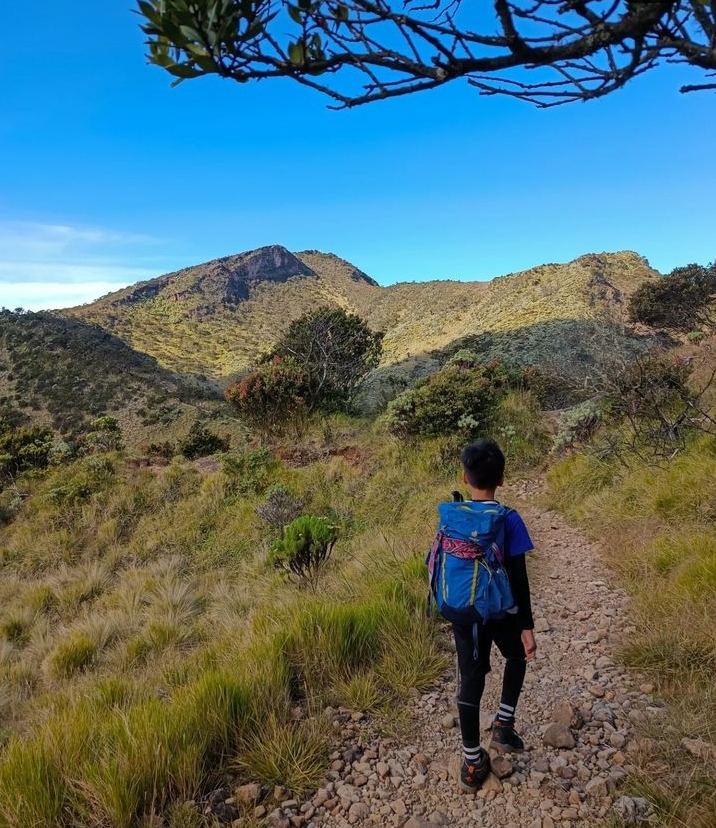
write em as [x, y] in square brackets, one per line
[358, 51]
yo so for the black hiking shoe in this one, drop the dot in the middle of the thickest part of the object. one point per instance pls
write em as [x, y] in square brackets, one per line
[504, 739]
[473, 774]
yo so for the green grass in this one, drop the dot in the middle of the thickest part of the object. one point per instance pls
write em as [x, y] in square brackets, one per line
[147, 648]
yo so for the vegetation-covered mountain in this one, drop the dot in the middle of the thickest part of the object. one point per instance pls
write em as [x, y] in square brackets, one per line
[217, 318]
[62, 373]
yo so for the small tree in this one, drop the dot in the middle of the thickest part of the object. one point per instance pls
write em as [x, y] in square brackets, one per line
[680, 300]
[305, 547]
[272, 397]
[335, 350]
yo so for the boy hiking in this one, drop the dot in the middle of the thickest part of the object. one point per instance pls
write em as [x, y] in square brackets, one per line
[507, 541]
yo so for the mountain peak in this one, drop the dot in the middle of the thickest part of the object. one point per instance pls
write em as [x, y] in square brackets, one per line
[226, 281]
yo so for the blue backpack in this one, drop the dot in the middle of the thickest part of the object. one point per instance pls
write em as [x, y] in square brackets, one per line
[466, 570]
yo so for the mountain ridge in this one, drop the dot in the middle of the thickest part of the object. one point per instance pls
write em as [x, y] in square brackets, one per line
[217, 318]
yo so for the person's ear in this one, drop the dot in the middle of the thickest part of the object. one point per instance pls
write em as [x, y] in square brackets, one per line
[464, 476]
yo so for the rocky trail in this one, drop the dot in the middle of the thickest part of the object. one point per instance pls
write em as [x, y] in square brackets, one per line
[577, 715]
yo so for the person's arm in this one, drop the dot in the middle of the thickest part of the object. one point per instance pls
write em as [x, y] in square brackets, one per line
[517, 570]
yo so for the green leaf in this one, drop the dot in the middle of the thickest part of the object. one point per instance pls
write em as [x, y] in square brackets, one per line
[296, 53]
[183, 71]
[295, 14]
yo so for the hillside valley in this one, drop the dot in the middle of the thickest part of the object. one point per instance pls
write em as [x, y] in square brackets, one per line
[158, 354]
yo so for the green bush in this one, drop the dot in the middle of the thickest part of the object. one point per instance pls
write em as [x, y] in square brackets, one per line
[106, 435]
[305, 547]
[249, 472]
[334, 350]
[24, 448]
[457, 400]
[578, 424]
[677, 300]
[201, 442]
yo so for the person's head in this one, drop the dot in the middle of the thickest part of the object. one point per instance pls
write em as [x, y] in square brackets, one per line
[483, 464]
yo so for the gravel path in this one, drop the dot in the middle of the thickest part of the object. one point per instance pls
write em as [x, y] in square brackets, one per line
[576, 714]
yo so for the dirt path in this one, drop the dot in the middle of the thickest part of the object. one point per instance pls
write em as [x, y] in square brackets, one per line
[574, 689]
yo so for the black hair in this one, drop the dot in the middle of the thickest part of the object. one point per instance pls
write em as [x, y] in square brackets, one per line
[483, 463]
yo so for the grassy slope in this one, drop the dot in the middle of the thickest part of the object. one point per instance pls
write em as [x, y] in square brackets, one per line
[63, 372]
[135, 602]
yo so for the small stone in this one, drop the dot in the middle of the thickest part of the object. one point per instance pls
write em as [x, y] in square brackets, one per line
[492, 783]
[417, 822]
[559, 736]
[248, 794]
[448, 722]
[541, 764]
[700, 748]
[399, 807]
[502, 767]
[596, 787]
[358, 811]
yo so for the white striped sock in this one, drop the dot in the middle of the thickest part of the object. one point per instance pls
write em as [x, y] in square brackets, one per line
[473, 755]
[506, 713]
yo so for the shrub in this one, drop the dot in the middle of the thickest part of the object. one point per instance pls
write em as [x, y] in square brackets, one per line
[305, 547]
[273, 397]
[24, 448]
[652, 396]
[677, 300]
[578, 424]
[106, 435]
[456, 400]
[335, 350]
[280, 508]
[249, 472]
[201, 442]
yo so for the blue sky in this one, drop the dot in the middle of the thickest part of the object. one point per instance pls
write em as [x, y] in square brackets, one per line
[109, 176]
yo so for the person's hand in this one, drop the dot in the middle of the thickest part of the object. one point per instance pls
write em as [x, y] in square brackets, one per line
[529, 643]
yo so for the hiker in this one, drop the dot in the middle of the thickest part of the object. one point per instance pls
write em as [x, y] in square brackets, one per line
[483, 466]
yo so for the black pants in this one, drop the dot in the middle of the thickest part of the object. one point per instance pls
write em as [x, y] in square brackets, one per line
[506, 634]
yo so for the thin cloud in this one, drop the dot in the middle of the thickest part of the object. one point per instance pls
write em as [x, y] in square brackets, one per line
[51, 266]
